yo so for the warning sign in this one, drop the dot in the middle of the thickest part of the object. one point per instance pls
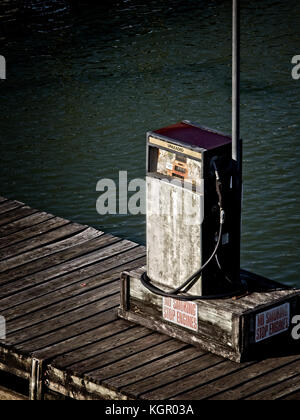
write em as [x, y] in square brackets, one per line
[272, 322]
[181, 313]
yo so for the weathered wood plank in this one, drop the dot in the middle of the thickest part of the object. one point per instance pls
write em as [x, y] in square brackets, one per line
[111, 363]
[221, 382]
[144, 374]
[116, 339]
[15, 215]
[200, 379]
[71, 266]
[69, 338]
[61, 295]
[261, 380]
[279, 390]
[96, 274]
[9, 206]
[117, 331]
[8, 395]
[80, 235]
[27, 222]
[294, 396]
[68, 305]
[64, 320]
[27, 237]
[262, 299]
[157, 384]
[15, 363]
[149, 349]
[78, 388]
[89, 244]
[2, 199]
[23, 251]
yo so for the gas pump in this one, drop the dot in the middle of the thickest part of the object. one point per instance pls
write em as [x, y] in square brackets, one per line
[190, 223]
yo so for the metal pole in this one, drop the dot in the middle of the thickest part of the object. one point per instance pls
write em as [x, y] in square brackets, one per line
[236, 142]
[236, 81]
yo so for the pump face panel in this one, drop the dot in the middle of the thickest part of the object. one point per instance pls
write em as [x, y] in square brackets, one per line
[182, 206]
[179, 166]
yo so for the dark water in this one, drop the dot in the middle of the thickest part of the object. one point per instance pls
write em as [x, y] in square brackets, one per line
[84, 84]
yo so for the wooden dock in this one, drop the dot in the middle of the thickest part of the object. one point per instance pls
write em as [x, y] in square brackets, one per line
[59, 295]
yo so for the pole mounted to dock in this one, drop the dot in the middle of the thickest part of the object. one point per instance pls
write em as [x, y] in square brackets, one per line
[236, 141]
[236, 81]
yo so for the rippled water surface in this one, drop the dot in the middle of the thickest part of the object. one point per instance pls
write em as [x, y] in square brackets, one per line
[85, 83]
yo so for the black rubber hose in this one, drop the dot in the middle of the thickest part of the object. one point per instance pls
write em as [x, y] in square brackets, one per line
[147, 283]
[189, 283]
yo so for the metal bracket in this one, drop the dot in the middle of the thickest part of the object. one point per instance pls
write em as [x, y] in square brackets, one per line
[36, 380]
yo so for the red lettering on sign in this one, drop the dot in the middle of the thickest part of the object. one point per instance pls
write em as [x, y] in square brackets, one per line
[181, 313]
[272, 322]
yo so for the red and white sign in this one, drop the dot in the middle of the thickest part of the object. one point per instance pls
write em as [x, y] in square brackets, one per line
[272, 322]
[181, 313]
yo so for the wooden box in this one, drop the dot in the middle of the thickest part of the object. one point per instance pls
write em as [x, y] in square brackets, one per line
[239, 329]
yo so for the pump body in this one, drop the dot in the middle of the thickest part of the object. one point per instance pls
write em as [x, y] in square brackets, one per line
[183, 217]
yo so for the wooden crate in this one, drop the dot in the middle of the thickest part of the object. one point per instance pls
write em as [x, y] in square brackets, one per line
[232, 328]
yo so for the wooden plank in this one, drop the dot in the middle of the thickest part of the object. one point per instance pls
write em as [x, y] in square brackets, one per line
[78, 388]
[261, 380]
[295, 396]
[84, 278]
[9, 206]
[114, 340]
[2, 199]
[196, 379]
[127, 359]
[27, 222]
[85, 387]
[8, 395]
[82, 326]
[266, 299]
[219, 383]
[91, 244]
[25, 236]
[278, 391]
[56, 235]
[15, 215]
[161, 381]
[15, 363]
[80, 235]
[164, 365]
[61, 294]
[65, 320]
[66, 306]
[92, 338]
[68, 338]
[111, 363]
[68, 267]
